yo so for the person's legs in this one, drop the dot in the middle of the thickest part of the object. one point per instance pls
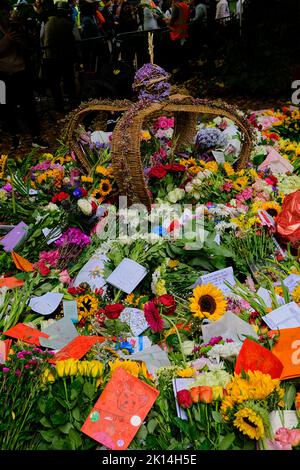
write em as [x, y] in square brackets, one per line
[53, 75]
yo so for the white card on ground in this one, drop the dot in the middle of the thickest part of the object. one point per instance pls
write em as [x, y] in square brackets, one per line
[135, 319]
[178, 385]
[218, 278]
[292, 281]
[45, 304]
[127, 275]
[218, 156]
[52, 234]
[70, 310]
[266, 297]
[287, 316]
[154, 358]
[92, 273]
[230, 326]
[60, 333]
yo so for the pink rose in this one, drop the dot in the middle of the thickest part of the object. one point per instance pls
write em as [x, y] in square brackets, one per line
[64, 277]
[295, 437]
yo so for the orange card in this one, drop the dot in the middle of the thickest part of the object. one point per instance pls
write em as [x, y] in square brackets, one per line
[77, 348]
[26, 334]
[11, 282]
[253, 356]
[4, 350]
[120, 410]
[287, 349]
[21, 263]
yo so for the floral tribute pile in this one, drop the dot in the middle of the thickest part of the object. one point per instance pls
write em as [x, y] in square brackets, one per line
[212, 322]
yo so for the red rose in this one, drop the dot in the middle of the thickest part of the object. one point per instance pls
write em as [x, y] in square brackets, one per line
[167, 303]
[83, 192]
[271, 180]
[177, 167]
[158, 171]
[184, 399]
[113, 311]
[60, 197]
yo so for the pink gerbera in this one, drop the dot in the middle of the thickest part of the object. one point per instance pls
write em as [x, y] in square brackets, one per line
[153, 317]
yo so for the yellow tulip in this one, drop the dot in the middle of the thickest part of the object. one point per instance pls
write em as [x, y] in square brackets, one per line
[48, 376]
[217, 392]
[73, 367]
[83, 368]
[60, 368]
[67, 367]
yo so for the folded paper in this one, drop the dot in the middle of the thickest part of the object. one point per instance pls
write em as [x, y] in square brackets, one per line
[218, 278]
[127, 275]
[60, 333]
[120, 410]
[52, 234]
[230, 326]
[22, 263]
[70, 310]
[286, 316]
[77, 348]
[11, 282]
[154, 358]
[26, 333]
[292, 281]
[276, 163]
[46, 304]
[253, 356]
[92, 273]
[14, 237]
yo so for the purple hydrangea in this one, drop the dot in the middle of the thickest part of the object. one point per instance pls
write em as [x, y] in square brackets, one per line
[147, 87]
[210, 138]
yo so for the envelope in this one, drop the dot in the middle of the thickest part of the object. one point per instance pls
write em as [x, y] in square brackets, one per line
[26, 333]
[287, 350]
[276, 163]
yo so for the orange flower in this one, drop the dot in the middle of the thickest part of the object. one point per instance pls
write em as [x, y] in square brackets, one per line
[205, 394]
[297, 401]
[194, 392]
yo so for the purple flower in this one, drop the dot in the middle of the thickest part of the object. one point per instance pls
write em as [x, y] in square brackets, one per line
[210, 138]
[18, 372]
[38, 350]
[7, 188]
[215, 340]
[26, 367]
[5, 370]
[77, 192]
[21, 355]
[73, 236]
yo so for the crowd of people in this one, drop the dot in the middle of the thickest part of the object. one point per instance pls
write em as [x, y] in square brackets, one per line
[56, 41]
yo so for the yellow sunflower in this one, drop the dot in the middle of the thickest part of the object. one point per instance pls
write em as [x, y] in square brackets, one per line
[187, 372]
[105, 187]
[296, 294]
[272, 208]
[101, 170]
[87, 306]
[208, 301]
[228, 169]
[240, 183]
[249, 423]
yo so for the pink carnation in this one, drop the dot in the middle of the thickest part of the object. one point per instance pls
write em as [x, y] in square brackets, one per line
[153, 317]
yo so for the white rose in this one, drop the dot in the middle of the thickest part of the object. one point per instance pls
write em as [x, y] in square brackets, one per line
[51, 207]
[85, 206]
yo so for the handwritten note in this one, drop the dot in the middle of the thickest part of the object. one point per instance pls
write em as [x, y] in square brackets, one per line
[14, 237]
[70, 310]
[287, 316]
[292, 281]
[218, 278]
[218, 156]
[264, 294]
[59, 333]
[120, 410]
[46, 304]
[127, 275]
[135, 319]
[92, 273]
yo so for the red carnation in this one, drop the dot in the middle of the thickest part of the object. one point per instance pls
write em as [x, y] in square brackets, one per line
[177, 167]
[158, 171]
[184, 399]
[167, 303]
[113, 311]
[153, 317]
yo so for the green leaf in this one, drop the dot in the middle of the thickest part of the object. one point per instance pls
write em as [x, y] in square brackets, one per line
[142, 432]
[74, 394]
[89, 390]
[48, 435]
[217, 417]
[45, 422]
[227, 441]
[76, 414]
[75, 439]
[151, 425]
[59, 418]
[65, 429]
[42, 405]
[289, 396]
[58, 443]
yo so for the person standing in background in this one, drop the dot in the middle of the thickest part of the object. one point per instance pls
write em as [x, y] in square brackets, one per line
[222, 11]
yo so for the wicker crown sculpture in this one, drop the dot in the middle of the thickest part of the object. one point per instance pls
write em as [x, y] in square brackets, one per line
[151, 83]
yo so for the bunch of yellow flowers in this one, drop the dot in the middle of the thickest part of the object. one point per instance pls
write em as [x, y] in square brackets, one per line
[73, 367]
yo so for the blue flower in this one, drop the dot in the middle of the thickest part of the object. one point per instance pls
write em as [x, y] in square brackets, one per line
[77, 192]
